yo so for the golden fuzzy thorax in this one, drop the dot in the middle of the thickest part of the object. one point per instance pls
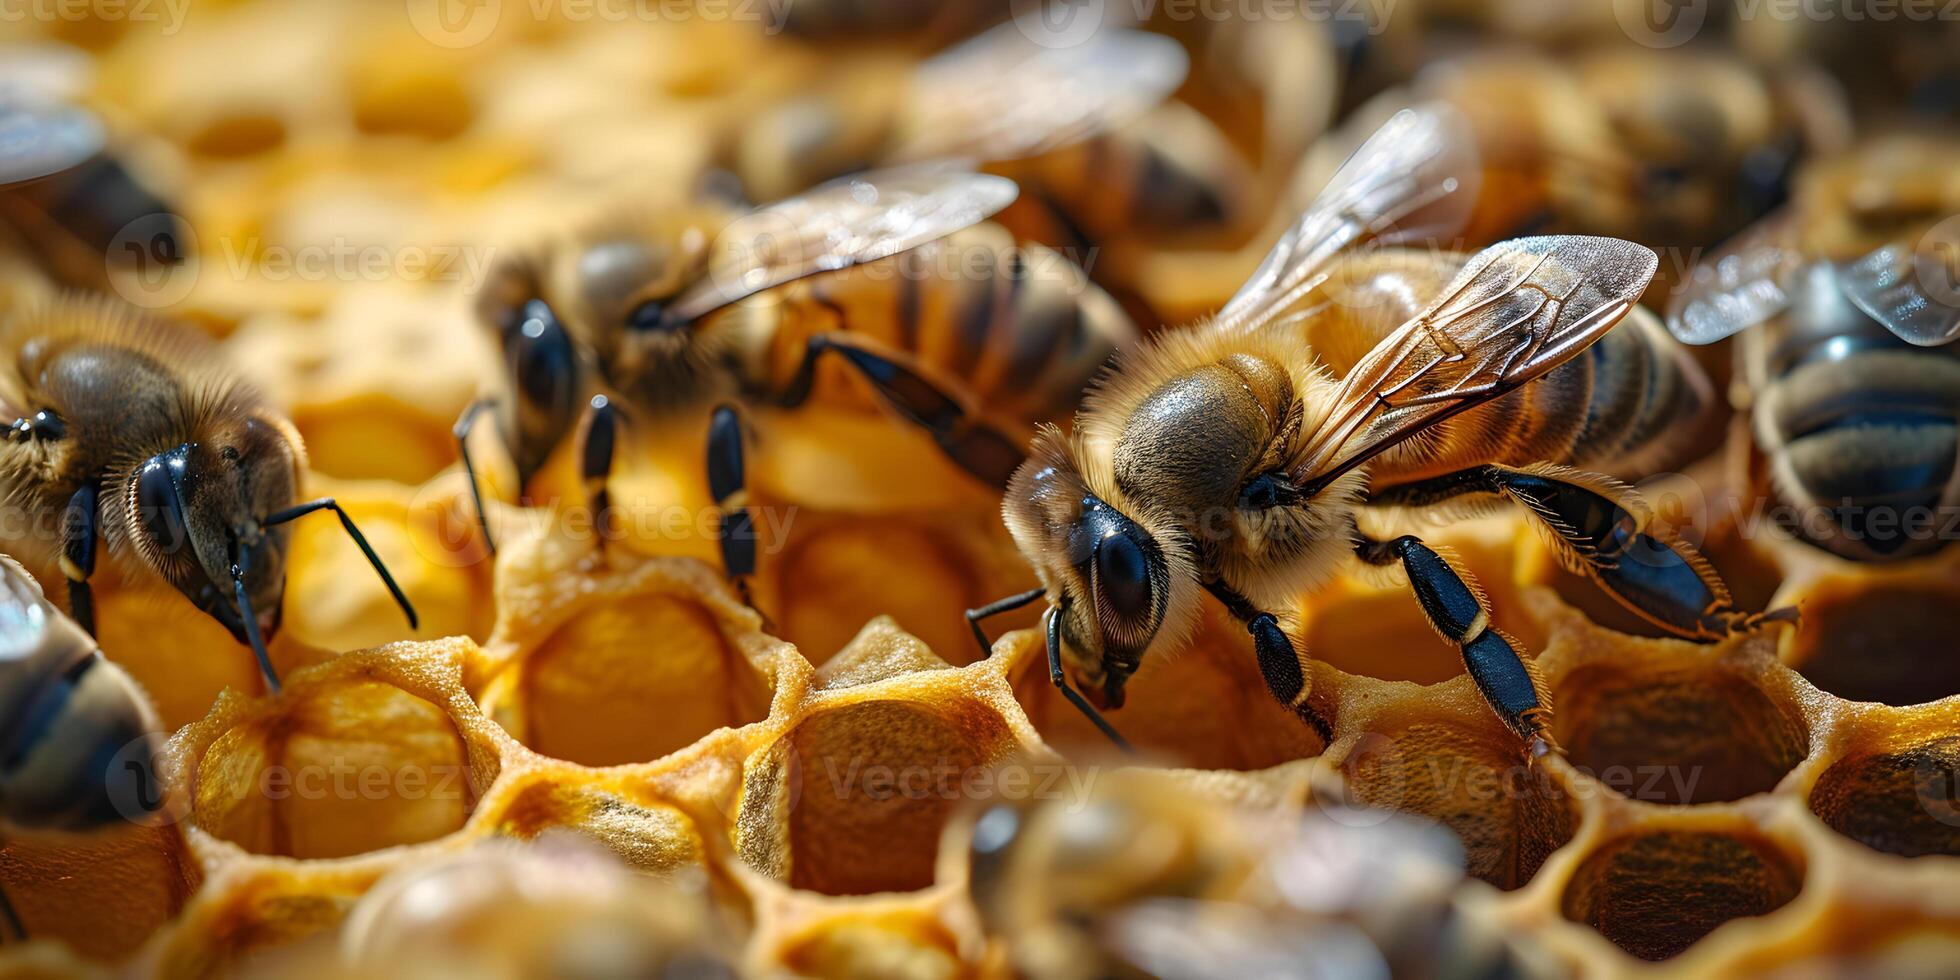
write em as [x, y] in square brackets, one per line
[1169, 438]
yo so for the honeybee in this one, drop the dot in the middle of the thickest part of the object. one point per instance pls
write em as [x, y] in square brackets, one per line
[126, 430]
[1229, 457]
[80, 735]
[1086, 126]
[554, 907]
[1140, 881]
[70, 204]
[1852, 373]
[1679, 147]
[679, 312]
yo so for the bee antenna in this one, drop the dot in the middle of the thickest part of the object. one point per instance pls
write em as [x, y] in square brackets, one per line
[360, 540]
[251, 623]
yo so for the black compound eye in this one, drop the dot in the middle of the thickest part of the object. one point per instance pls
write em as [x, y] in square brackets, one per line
[541, 355]
[648, 316]
[1123, 576]
[160, 500]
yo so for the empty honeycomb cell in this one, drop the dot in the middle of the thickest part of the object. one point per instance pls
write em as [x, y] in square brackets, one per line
[1473, 780]
[844, 574]
[373, 438]
[1888, 642]
[632, 681]
[869, 786]
[335, 769]
[1901, 802]
[1656, 894]
[1667, 733]
[897, 944]
[646, 835]
[1205, 706]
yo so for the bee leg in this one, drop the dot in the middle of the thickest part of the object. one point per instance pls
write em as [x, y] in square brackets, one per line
[360, 541]
[595, 458]
[78, 534]
[1059, 678]
[1594, 524]
[1280, 664]
[945, 413]
[1456, 609]
[465, 423]
[16, 933]
[728, 484]
[995, 608]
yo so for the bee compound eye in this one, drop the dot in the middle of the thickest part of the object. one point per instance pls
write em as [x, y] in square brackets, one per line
[1123, 575]
[160, 500]
[649, 316]
[541, 357]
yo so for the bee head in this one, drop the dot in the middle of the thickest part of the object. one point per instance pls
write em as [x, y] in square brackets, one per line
[1121, 578]
[193, 512]
[541, 363]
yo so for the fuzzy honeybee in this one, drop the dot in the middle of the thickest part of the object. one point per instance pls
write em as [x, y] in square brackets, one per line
[125, 430]
[1852, 373]
[1229, 458]
[72, 206]
[80, 739]
[1677, 147]
[679, 312]
[1144, 879]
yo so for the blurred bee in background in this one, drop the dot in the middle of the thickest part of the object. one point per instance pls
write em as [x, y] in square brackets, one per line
[1852, 373]
[1908, 61]
[968, 336]
[1229, 458]
[126, 430]
[925, 25]
[555, 907]
[80, 737]
[1677, 147]
[1137, 881]
[66, 201]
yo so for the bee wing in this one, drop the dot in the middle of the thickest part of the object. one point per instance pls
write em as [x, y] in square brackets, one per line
[25, 619]
[1414, 180]
[842, 223]
[1914, 292]
[1516, 311]
[1739, 286]
[1007, 96]
[39, 140]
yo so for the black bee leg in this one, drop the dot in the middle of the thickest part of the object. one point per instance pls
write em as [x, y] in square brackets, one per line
[1280, 664]
[944, 412]
[595, 459]
[16, 933]
[465, 423]
[360, 541]
[1596, 526]
[1456, 609]
[78, 534]
[240, 567]
[995, 608]
[728, 484]
[1059, 678]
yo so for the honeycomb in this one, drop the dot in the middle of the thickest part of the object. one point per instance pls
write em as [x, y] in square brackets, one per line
[794, 783]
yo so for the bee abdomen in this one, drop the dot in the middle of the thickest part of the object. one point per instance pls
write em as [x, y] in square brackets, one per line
[76, 750]
[1647, 401]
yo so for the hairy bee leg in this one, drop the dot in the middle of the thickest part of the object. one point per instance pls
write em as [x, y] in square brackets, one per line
[1456, 610]
[1059, 678]
[1664, 581]
[464, 424]
[78, 534]
[728, 484]
[595, 458]
[360, 541]
[1280, 664]
[965, 438]
[995, 608]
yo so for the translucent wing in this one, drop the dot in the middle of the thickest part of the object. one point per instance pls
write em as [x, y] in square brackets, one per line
[1414, 180]
[39, 140]
[24, 620]
[1740, 285]
[1516, 311]
[1004, 96]
[1913, 291]
[841, 223]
